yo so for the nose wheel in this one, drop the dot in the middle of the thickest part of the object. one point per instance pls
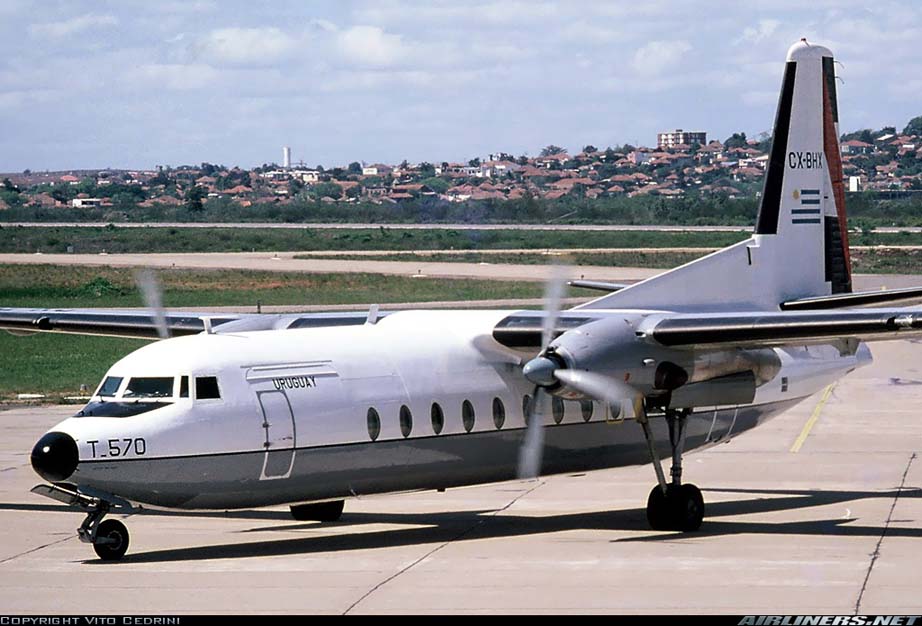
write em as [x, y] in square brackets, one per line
[109, 537]
[111, 540]
[674, 505]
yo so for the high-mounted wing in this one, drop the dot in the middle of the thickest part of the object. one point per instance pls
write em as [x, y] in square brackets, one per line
[777, 329]
[123, 323]
[143, 325]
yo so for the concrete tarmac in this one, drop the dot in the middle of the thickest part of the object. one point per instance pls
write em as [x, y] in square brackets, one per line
[817, 511]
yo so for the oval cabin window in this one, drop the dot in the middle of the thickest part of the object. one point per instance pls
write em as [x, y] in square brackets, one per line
[499, 413]
[438, 418]
[374, 424]
[406, 421]
[467, 415]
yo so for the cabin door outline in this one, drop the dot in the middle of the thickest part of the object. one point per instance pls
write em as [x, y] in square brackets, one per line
[279, 429]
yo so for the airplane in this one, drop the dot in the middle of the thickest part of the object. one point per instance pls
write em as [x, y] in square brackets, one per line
[239, 411]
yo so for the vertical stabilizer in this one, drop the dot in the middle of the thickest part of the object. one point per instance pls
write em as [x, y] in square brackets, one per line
[800, 244]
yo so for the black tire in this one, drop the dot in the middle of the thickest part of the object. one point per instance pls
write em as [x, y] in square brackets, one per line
[689, 508]
[319, 512]
[114, 530]
[658, 509]
[680, 508]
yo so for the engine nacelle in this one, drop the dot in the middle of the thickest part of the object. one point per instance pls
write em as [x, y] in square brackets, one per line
[611, 347]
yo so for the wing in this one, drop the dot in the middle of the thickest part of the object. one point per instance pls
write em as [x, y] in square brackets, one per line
[776, 329]
[143, 325]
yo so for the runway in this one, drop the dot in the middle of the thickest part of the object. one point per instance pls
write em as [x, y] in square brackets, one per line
[818, 511]
[286, 262]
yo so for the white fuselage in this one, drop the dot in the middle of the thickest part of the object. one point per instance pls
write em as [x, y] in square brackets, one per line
[412, 402]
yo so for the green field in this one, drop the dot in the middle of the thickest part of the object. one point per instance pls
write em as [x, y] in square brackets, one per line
[58, 364]
[117, 240]
[92, 240]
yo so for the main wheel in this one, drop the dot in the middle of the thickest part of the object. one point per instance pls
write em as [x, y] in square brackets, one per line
[689, 509]
[114, 542]
[658, 513]
[680, 508]
[320, 512]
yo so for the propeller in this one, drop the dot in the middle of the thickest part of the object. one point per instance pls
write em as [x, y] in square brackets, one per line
[540, 371]
[152, 293]
[547, 370]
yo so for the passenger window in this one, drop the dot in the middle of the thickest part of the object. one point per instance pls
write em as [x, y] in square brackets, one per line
[499, 413]
[467, 415]
[438, 418]
[374, 424]
[206, 388]
[586, 407]
[526, 408]
[109, 386]
[406, 421]
[184, 387]
[558, 409]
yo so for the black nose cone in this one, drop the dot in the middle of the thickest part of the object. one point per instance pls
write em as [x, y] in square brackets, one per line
[55, 457]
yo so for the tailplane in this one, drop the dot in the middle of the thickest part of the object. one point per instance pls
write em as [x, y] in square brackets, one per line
[800, 245]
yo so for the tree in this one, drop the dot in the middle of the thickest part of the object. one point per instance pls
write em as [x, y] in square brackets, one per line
[914, 127]
[436, 184]
[551, 150]
[736, 140]
[355, 168]
[327, 190]
[426, 170]
[475, 162]
[194, 197]
[589, 149]
[9, 186]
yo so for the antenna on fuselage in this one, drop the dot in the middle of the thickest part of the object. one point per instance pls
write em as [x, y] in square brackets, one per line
[372, 314]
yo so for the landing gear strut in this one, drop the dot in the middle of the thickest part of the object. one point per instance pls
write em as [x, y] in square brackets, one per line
[109, 537]
[672, 506]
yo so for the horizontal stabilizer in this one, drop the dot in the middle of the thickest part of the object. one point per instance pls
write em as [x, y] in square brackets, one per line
[778, 329]
[597, 285]
[861, 298]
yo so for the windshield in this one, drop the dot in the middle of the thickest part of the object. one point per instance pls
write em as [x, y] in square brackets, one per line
[149, 388]
[109, 386]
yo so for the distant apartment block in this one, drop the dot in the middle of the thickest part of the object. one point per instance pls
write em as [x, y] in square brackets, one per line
[680, 137]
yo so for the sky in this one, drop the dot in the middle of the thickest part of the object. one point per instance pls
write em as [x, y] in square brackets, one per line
[134, 84]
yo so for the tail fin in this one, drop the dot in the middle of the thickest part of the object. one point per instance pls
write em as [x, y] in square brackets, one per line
[800, 245]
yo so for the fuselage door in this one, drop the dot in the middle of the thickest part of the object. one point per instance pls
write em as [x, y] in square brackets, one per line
[279, 427]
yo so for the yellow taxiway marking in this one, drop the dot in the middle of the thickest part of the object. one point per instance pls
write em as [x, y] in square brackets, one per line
[812, 421]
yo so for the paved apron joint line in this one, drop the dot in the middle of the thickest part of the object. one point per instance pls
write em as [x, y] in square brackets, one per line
[480, 522]
[876, 553]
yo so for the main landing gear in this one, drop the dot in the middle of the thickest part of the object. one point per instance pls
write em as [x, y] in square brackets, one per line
[672, 506]
[109, 537]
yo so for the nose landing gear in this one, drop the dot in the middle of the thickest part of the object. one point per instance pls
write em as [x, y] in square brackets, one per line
[672, 506]
[110, 537]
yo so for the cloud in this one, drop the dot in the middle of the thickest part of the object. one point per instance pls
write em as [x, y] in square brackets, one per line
[761, 32]
[58, 30]
[175, 76]
[245, 46]
[371, 46]
[657, 56]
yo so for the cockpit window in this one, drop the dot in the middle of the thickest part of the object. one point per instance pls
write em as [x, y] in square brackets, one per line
[149, 388]
[206, 388]
[109, 386]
